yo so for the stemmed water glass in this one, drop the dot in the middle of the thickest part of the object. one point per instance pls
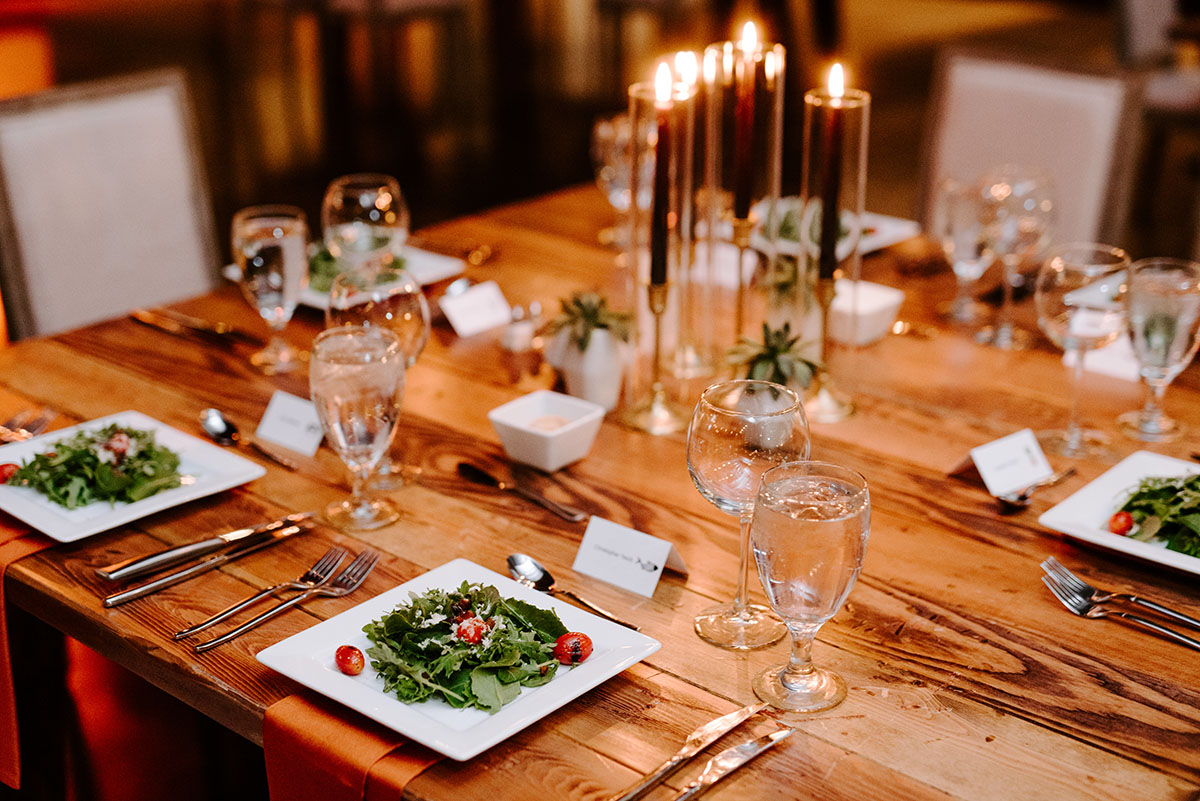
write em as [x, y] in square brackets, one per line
[809, 533]
[1079, 294]
[610, 160]
[268, 243]
[1019, 213]
[356, 379]
[1164, 325]
[738, 430]
[958, 225]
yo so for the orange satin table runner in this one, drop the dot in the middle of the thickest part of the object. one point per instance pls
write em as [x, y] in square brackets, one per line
[316, 748]
[16, 541]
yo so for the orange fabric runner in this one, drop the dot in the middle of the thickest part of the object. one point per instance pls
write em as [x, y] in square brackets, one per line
[16, 541]
[316, 748]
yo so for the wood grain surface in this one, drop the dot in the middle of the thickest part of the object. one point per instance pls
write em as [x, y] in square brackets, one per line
[967, 679]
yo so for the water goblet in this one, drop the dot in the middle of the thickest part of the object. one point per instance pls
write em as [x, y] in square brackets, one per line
[356, 378]
[738, 430]
[1164, 324]
[958, 226]
[610, 160]
[268, 243]
[1079, 294]
[1019, 213]
[809, 534]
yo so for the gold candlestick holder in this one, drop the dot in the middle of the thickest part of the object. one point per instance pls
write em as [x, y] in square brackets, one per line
[824, 403]
[742, 228]
[657, 415]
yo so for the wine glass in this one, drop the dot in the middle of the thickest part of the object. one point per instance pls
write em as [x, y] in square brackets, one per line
[958, 225]
[356, 379]
[809, 533]
[1018, 214]
[610, 160]
[1164, 324]
[738, 430]
[269, 244]
[1079, 295]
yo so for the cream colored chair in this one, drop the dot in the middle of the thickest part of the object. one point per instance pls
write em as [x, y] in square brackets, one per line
[103, 203]
[1082, 128]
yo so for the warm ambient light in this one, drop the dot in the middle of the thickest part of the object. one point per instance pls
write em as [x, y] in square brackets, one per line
[662, 83]
[837, 82]
[749, 41]
[686, 67]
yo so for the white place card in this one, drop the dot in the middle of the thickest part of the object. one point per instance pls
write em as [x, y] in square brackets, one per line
[478, 309]
[625, 556]
[1117, 360]
[292, 423]
[1011, 463]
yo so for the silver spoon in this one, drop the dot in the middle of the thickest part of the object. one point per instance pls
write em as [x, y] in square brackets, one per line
[527, 571]
[223, 432]
[1020, 499]
[478, 475]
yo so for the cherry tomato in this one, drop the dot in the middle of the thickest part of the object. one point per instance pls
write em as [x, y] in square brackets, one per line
[6, 471]
[349, 660]
[1120, 523]
[471, 630]
[572, 648]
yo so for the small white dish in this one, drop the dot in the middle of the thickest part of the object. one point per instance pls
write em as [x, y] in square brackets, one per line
[308, 658]
[210, 468]
[1084, 515]
[862, 312]
[547, 429]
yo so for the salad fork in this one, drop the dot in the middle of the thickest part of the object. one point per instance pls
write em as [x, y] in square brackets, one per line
[1081, 606]
[345, 583]
[315, 576]
[25, 424]
[1081, 588]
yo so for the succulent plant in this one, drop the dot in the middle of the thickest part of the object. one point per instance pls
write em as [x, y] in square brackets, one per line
[777, 358]
[583, 313]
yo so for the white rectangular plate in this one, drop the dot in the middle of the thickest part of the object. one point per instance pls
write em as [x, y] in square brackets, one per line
[308, 658]
[1084, 515]
[212, 469]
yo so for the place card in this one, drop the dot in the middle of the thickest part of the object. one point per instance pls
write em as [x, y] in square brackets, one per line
[292, 423]
[1011, 463]
[480, 308]
[1117, 360]
[625, 556]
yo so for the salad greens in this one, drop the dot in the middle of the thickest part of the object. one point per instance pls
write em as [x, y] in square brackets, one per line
[105, 464]
[470, 647]
[323, 268]
[1167, 509]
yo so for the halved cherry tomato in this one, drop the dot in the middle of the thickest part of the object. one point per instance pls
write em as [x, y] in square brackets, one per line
[349, 660]
[1120, 523]
[6, 471]
[572, 648]
[471, 630]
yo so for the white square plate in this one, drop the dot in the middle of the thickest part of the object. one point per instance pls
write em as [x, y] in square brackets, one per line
[212, 468]
[308, 658]
[1084, 515]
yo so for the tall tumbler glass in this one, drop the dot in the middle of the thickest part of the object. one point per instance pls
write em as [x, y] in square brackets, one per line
[739, 429]
[809, 534]
[1164, 324]
[269, 245]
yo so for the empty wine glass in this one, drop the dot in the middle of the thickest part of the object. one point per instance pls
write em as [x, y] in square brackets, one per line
[269, 244]
[1079, 294]
[1019, 213]
[610, 160]
[738, 430]
[809, 533]
[356, 379]
[1164, 324]
[958, 225]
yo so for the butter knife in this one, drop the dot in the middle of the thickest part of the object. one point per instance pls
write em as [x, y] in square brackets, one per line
[728, 761]
[169, 326]
[697, 741]
[141, 565]
[200, 324]
[171, 579]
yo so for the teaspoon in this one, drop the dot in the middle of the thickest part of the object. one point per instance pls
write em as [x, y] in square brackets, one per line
[1016, 501]
[528, 571]
[223, 432]
[478, 475]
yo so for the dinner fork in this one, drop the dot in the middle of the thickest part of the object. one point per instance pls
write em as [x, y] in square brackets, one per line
[24, 425]
[315, 576]
[1080, 587]
[345, 583]
[1084, 608]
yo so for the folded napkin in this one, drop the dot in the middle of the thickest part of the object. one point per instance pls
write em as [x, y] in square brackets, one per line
[316, 748]
[16, 541]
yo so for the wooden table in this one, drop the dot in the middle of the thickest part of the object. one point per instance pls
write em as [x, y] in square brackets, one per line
[967, 679]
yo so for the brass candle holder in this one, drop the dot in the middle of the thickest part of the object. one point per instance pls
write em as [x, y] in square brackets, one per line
[824, 403]
[657, 415]
[742, 229]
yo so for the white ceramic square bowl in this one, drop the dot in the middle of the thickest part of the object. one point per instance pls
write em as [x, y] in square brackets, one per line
[547, 429]
[862, 311]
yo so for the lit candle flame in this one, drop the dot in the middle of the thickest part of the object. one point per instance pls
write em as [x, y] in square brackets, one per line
[662, 83]
[837, 82]
[687, 67]
[749, 41]
[710, 67]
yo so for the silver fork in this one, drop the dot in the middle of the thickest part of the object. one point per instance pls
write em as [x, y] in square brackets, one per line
[315, 576]
[1080, 587]
[345, 583]
[1084, 608]
[25, 424]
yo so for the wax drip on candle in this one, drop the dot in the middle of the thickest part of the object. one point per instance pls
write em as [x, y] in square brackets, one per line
[660, 200]
[831, 184]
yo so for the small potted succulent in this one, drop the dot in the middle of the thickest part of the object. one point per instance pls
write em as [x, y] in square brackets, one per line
[587, 347]
[777, 358]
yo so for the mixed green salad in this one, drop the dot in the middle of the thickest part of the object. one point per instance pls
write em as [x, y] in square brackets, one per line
[470, 647]
[1162, 508]
[323, 268]
[105, 464]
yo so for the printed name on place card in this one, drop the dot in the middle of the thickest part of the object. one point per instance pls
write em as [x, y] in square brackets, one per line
[1011, 463]
[625, 556]
[479, 309]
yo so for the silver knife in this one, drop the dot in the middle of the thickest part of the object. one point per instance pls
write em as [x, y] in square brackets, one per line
[167, 325]
[697, 741]
[171, 579]
[141, 565]
[200, 324]
[728, 761]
